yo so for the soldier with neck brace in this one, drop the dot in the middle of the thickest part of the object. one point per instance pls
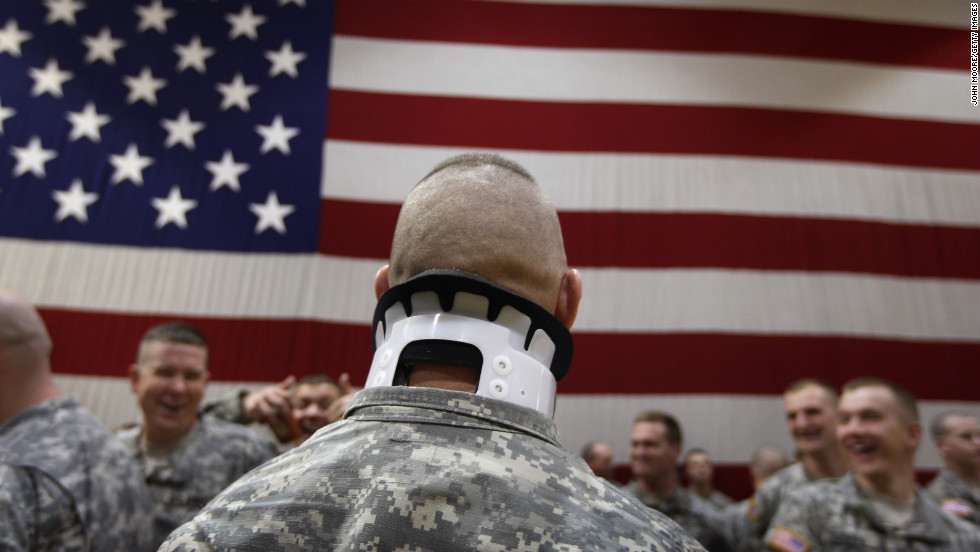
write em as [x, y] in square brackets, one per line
[451, 444]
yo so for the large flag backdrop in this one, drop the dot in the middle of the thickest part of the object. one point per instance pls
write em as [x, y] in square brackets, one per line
[753, 195]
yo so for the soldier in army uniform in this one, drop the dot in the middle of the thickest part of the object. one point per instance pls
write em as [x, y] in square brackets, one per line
[700, 474]
[450, 445]
[957, 487]
[878, 505]
[66, 483]
[291, 410]
[810, 407]
[186, 458]
[655, 447]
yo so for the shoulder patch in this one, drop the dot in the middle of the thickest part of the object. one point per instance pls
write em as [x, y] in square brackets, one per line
[788, 541]
[957, 507]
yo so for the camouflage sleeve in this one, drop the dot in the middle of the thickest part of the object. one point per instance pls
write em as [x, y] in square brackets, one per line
[759, 510]
[185, 538]
[36, 513]
[790, 529]
[735, 526]
[16, 501]
[229, 408]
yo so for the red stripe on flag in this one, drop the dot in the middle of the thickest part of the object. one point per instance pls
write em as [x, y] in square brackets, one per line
[269, 350]
[635, 128]
[673, 240]
[654, 28]
[752, 364]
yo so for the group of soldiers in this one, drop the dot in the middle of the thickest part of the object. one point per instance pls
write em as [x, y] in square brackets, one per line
[852, 487]
[451, 445]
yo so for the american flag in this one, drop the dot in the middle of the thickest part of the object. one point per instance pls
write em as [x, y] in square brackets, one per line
[753, 194]
[784, 539]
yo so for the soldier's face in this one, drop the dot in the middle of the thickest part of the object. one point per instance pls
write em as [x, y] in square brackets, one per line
[651, 454]
[169, 382]
[698, 467]
[961, 444]
[310, 403]
[879, 440]
[810, 416]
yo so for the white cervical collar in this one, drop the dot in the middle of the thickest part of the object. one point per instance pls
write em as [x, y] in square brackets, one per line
[448, 306]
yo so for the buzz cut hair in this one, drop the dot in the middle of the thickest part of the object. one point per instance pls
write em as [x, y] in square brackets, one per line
[589, 450]
[906, 400]
[803, 383]
[316, 379]
[481, 159]
[938, 429]
[172, 332]
[696, 450]
[674, 434]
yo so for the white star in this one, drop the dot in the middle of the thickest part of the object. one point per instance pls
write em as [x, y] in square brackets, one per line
[154, 16]
[144, 87]
[226, 172]
[300, 3]
[193, 55]
[74, 202]
[32, 158]
[62, 10]
[49, 79]
[87, 123]
[5, 113]
[276, 135]
[173, 209]
[102, 47]
[236, 93]
[129, 166]
[285, 60]
[11, 37]
[271, 214]
[245, 23]
[181, 130]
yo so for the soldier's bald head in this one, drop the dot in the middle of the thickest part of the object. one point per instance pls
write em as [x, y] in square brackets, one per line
[24, 340]
[485, 215]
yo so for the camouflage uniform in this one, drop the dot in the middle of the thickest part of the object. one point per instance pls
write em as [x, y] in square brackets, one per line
[66, 483]
[745, 525]
[690, 511]
[718, 499]
[837, 516]
[229, 408]
[208, 459]
[427, 469]
[956, 496]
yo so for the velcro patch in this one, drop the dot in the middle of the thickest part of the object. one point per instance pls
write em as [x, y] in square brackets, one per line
[788, 541]
[957, 507]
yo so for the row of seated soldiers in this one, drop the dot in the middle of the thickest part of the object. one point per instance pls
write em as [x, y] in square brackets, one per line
[853, 473]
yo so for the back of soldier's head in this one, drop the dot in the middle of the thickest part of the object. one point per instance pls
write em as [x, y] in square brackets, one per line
[485, 215]
[25, 345]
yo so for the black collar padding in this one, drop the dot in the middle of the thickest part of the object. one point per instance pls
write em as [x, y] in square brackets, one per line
[447, 283]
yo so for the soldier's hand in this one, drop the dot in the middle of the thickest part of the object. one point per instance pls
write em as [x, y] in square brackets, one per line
[270, 404]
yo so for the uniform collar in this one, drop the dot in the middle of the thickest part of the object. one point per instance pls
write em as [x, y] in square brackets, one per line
[438, 406]
[924, 524]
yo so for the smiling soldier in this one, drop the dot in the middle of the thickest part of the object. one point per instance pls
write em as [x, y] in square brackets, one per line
[186, 458]
[877, 506]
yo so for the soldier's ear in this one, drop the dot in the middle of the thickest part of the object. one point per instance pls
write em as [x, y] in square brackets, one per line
[569, 297]
[381, 283]
[134, 377]
[913, 433]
